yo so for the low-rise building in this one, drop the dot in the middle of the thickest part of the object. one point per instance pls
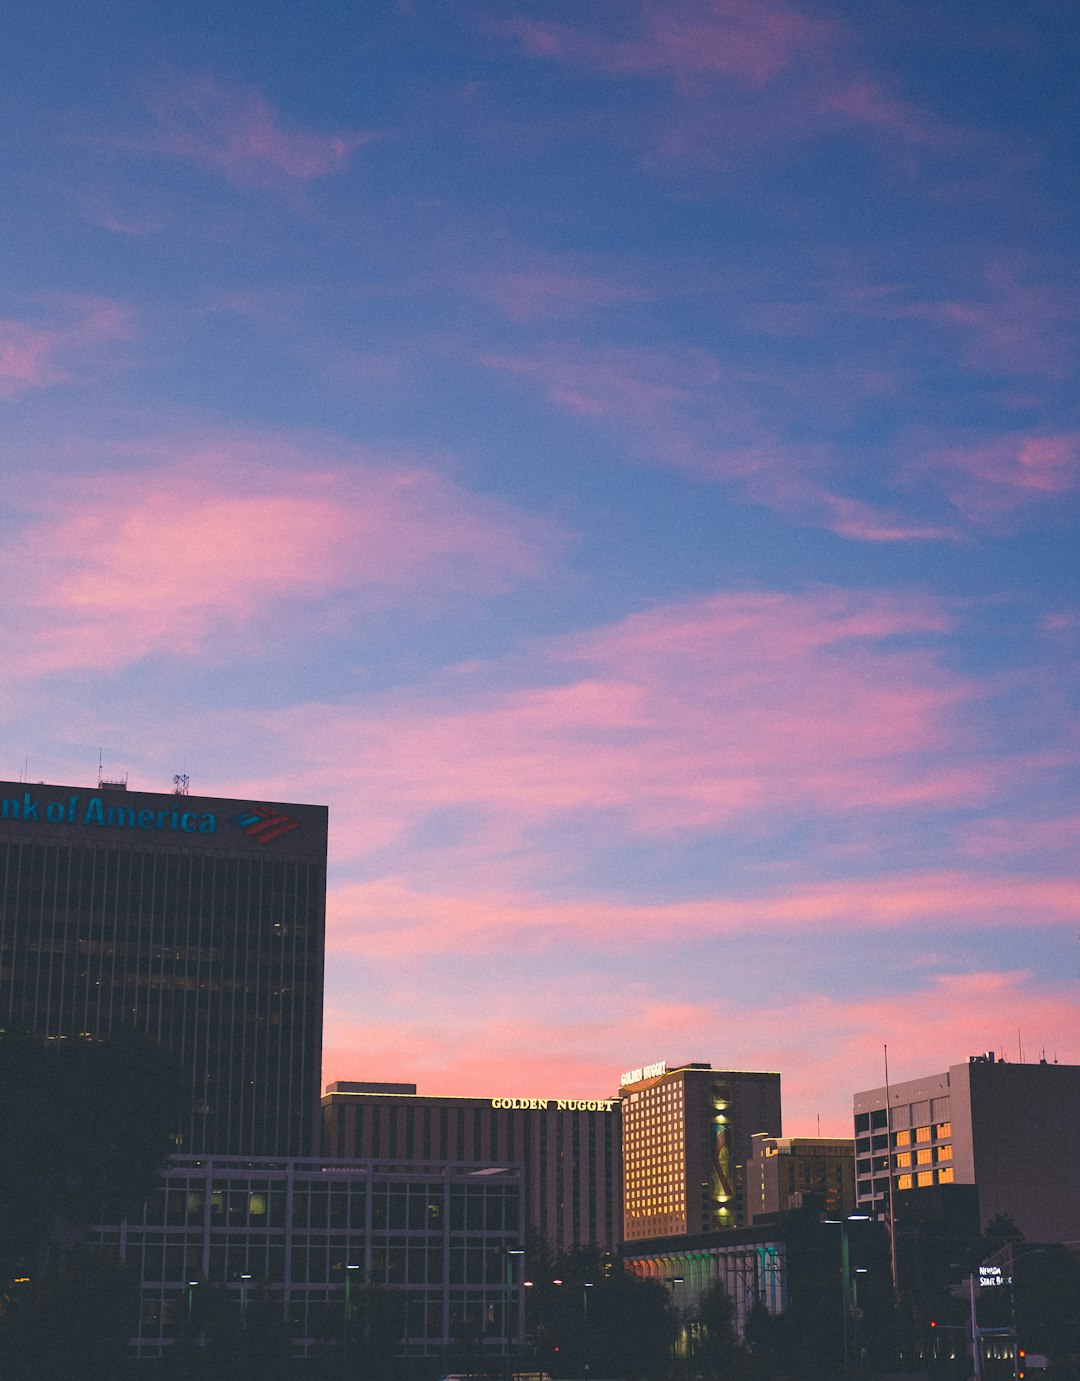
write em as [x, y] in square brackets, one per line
[303, 1232]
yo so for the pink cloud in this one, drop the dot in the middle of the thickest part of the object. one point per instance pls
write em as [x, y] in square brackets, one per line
[926, 1029]
[533, 294]
[63, 343]
[1020, 318]
[550, 1043]
[751, 43]
[219, 535]
[389, 918]
[691, 717]
[866, 103]
[998, 477]
[795, 75]
[237, 133]
[691, 410]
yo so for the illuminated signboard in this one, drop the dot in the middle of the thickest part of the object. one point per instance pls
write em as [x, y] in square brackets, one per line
[556, 1104]
[94, 811]
[261, 823]
[993, 1275]
[635, 1076]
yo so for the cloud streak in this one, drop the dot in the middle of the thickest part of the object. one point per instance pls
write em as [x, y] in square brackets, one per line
[214, 537]
[235, 132]
[62, 344]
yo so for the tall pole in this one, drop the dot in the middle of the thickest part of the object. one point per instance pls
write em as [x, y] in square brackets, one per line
[511, 1252]
[889, 1164]
[976, 1348]
[586, 1287]
[845, 1258]
[345, 1322]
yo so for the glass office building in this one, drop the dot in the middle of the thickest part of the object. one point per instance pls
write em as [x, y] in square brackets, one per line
[446, 1237]
[198, 920]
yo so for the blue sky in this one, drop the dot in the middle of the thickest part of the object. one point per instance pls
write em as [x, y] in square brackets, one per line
[622, 457]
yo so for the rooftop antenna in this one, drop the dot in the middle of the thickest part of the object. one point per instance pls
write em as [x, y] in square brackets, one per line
[181, 782]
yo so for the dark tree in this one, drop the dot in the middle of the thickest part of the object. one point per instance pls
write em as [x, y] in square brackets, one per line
[86, 1128]
[715, 1334]
[377, 1316]
[999, 1232]
[76, 1324]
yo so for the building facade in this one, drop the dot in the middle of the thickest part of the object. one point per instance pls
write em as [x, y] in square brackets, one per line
[687, 1140]
[569, 1148]
[197, 920]
[784, 1171]
[1009, 1129]
[302, 1233]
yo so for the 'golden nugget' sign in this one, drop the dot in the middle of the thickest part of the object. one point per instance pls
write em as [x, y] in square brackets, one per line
[556, 1104]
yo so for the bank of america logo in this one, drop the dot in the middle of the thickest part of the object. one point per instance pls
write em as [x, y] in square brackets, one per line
[263, 823]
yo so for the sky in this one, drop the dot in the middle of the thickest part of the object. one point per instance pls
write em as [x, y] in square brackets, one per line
[622, 457]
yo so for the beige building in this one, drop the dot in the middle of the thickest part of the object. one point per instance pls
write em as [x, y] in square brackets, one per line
[784, 1171]
[687, 1140]
[1009, 1129]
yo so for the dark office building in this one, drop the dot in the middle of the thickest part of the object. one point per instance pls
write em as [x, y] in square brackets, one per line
[195, 919]
[568, 1148]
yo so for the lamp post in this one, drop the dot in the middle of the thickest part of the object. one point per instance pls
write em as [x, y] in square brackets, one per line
[243, 1301]
[349, 1268]
[586, 1286]
[191, 1304]
[845, 1275]
[511, 1252]
[673, 1281]
[856, 1313]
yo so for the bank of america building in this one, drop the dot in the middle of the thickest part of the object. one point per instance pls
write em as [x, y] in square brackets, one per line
[200, 920]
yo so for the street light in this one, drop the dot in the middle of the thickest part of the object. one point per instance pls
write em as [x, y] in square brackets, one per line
[585, 1288]
[345, 1323]
[243, 1301]
[511, 1252]
[845, 1274]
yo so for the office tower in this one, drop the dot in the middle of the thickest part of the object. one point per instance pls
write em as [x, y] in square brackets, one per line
[569, 1148]
[787, 1172]
[687, 1139]
[1009, 1129]
[197, 920]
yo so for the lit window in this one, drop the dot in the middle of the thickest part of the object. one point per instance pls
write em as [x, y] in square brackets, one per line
[904, 1182]
[945, 1176]
[903, 1160]
[903, 1138]
[924, 1177]
[924, 1156]
[944, 1153]
[922, 1133]
[943, 1130]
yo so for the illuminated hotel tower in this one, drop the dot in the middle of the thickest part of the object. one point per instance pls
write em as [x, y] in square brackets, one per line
[686, 1141]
